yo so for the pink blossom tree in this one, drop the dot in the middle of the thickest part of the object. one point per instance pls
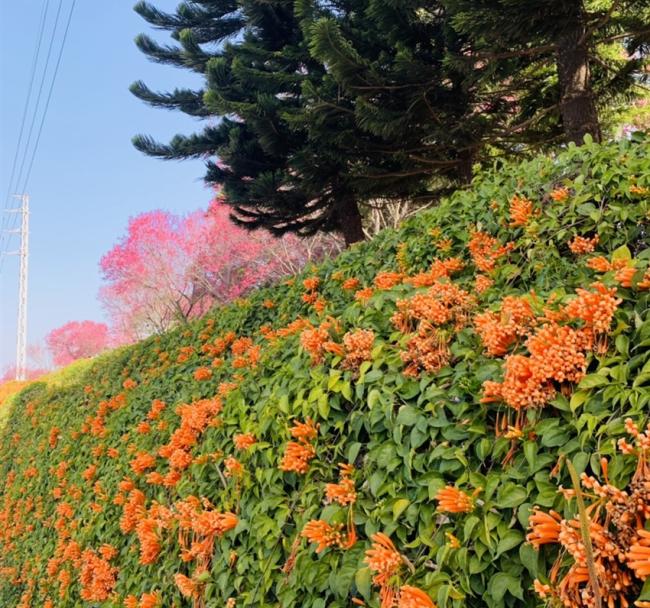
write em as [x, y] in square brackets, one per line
[76, 340]
[168, 269]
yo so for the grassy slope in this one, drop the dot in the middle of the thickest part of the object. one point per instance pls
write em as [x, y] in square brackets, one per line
[407, 437]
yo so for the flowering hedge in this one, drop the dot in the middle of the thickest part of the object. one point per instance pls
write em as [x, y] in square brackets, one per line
[404, 426]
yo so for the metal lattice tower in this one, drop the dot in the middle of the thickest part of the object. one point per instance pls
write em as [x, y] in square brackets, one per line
[23, 253]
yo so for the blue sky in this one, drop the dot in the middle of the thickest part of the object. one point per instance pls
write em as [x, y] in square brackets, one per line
[87, 179]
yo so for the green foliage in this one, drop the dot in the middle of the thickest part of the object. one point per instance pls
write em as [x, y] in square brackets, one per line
[407, 437]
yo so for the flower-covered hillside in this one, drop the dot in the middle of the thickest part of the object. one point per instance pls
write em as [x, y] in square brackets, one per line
[450, 415]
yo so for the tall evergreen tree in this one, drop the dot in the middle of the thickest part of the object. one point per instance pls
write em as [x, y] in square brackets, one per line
[400, 66]
[287, 148]
[576, 42]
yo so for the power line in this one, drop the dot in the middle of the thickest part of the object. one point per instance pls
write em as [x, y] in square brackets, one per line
[49, 96]
[24, 118]
[40, 92]
[47, 103]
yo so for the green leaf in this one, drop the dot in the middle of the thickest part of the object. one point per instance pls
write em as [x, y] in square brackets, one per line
[399, 506]
[363, 582]
[511, 495]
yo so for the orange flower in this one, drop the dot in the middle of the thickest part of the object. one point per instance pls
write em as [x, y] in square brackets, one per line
[244, 441]
[363, 295]
[386, 280]
[322, 534]
[233, 467]
[344, 492]
[482, 283]
[596, 308]
[625, 275]
[304, 431]
[521, 210]
[268, 304]
[580, 245]
[383, 559]
[599, 264]
[486, 250]
[412, 597]
[559, 195]
[143, 428]
[358, 347]
[97, 577]
[351, 284]
[644, 283]
[108, 552]
[147, 530]
[150, 600]
[311, 283]
[297, 457]
[544, 528]
[180, 460]
[90, 472]
[202, 373]
[638, 557]
[453, 500]
[129, 384]
[186, 585]
[142, 462]
[130, 601]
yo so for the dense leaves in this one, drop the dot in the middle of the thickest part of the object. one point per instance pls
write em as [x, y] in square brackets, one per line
[203, 463]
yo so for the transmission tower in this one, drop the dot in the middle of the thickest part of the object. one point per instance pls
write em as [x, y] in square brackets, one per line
[23, 253]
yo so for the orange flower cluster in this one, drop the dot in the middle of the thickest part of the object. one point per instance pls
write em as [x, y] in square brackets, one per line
[580, 244]
[486, 250]
[557, 352]
[453, 500]
[199, 526]
[195, 419]
[363, 295]
[325, 535]
[386, 280]
[243, 441]
[245, 353]
[298, 454]
[142, 462]
[427, 350]
[233, 467]
[219, 345]
[186, 585]
[442, 303]
[344, 492]
[440, 269]
[412, 597]
[351, 284]
[385, 561]
[358, 348]
[620, 542]
[521, 210]
[202, 373]
[559, 195]
[97, 577]
[319, 340]
[595, 308]
[311, 294]
[482, 283]
[499, 331]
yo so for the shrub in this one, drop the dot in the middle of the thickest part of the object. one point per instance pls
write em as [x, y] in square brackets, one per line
[316, 465]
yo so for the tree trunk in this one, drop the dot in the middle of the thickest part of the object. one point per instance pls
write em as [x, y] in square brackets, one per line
[577, 103]
[465, 166]
[349, 218]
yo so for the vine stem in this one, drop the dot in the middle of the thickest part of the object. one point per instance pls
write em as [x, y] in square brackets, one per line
[586, 538]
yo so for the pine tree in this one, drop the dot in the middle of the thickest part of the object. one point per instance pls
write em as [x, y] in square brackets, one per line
[399, 63]
[287, 157]
[574, 44]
